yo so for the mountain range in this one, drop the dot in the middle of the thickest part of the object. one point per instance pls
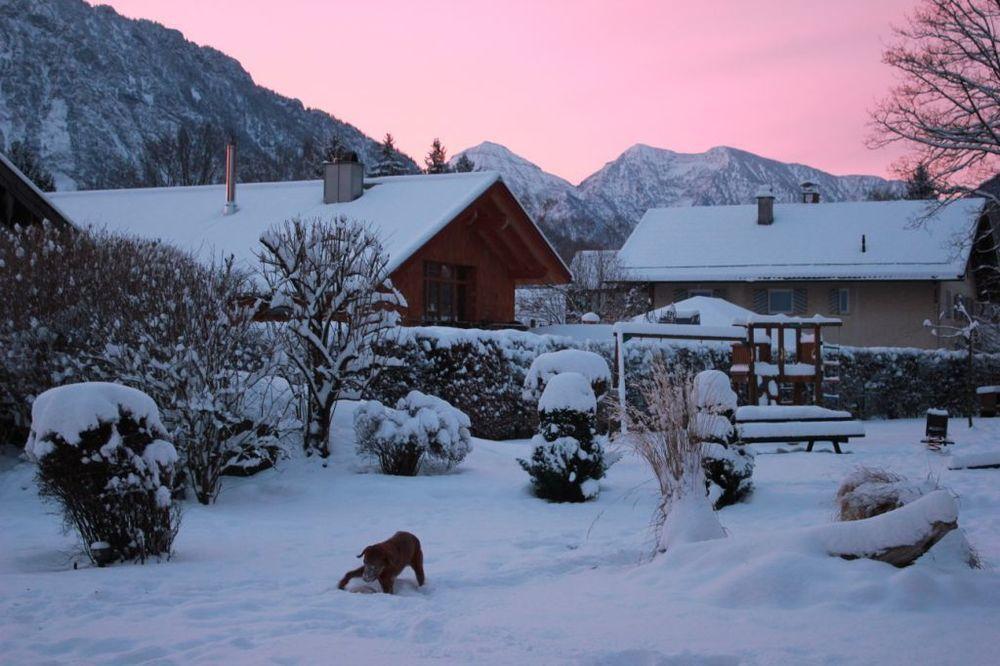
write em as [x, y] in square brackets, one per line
[89, 90]
[605, 206]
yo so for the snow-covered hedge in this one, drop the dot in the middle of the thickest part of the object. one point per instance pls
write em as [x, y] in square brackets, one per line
[569, 457]
[545, 366]
[103, 457]
[421, 432]
[483, 374]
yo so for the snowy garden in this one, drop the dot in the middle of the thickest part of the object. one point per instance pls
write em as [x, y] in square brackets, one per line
[190, 482]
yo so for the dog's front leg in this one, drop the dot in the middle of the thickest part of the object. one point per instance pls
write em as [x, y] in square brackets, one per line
[387, 583]
[353, 573]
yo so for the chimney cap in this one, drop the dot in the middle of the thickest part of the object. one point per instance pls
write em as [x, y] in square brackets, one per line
[765, 191]
[344, 157]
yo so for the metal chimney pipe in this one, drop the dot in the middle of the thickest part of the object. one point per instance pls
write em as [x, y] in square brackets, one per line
[231, 206]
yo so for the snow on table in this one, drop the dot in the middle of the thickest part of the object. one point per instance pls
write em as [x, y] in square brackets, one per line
[776, 430]
[788, 413]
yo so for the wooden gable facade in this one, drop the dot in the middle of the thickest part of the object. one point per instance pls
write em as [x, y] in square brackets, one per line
[466, 274]
[23, 203]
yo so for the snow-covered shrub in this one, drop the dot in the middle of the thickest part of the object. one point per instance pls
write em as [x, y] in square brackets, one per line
[668, 434]
[870, 491]
[269, 414]
[727, 466]
[548, 365]
[332, 279]
[103, 457]
[569, 457]
[421, 432]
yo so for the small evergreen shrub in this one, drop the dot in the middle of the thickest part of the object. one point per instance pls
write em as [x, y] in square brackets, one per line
[422, 432]
[546, 366]
[727, 466]
[569, 457]
[103, 457]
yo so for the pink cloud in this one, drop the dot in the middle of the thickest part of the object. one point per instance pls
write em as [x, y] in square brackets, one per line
[570, 85]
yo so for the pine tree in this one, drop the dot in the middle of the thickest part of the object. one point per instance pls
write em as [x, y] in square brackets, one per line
[389, 161]
[920, 185]
[437, 159]
[464, 164]
[27, 161]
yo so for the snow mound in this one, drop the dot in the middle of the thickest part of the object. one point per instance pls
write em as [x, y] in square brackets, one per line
[713, 391]
[590, 365]
[568, 390]
[67, 411]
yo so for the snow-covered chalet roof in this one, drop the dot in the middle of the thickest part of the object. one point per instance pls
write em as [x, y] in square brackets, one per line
[405, 210]
[805, 242]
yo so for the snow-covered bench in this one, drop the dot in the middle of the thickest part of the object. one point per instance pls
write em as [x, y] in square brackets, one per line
[787, 424]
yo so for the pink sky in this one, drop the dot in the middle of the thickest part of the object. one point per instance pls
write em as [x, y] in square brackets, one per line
[570, 84]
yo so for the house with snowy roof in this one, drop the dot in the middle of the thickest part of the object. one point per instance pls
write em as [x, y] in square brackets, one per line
[458, 244]
[883, 267]
[21, 202]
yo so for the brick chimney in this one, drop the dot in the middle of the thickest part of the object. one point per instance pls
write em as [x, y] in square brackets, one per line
[810, 192]
[343, 179]
[765, 205]
[230, 206]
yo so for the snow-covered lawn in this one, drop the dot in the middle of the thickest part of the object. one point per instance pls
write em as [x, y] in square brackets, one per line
[511, 579]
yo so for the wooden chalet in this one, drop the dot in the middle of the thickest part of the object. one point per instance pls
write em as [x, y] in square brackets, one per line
[458, 244]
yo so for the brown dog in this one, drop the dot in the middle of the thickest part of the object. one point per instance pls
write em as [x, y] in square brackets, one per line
[387, 560]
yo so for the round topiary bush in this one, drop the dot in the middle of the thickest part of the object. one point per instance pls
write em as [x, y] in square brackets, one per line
[569, 457]
[422, 432]
[546, 366]
[103, 457]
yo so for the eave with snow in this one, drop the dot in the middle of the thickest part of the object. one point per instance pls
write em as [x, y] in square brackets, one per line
[884, 267]
[458, 244]
[21, 202]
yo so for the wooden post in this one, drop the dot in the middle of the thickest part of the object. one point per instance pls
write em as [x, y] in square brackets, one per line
[620, 363]
[818, 356]
[970, 381]
[751, 367]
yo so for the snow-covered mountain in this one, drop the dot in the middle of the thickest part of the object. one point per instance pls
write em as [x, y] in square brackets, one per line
[88, 87]
[605, 207]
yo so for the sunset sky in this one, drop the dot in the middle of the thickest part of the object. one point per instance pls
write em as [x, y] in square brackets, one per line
[570, 85]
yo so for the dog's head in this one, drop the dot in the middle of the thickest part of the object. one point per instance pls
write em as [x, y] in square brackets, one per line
[375, 561]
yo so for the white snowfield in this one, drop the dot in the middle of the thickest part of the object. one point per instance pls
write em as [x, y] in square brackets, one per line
[513, 579]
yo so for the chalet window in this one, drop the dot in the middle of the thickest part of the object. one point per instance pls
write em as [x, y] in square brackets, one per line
[780, 301]
[447, 288]
[840, 301]
[701, 292]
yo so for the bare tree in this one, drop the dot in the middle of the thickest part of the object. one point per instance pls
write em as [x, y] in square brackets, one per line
[330, 280]
[946, 105]
[191, 156]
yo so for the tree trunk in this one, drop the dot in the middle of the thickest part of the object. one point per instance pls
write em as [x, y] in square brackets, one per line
[317, 430]
[898, 537]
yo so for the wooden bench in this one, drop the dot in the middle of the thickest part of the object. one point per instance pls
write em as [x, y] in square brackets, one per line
[791, 424]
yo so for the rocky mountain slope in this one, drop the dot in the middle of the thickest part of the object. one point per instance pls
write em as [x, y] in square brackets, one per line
[605, 207]
[87, 88]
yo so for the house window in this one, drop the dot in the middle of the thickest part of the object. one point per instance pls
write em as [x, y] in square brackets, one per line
[780, 301]
[701, 292]
[842, 299]
[446, 292]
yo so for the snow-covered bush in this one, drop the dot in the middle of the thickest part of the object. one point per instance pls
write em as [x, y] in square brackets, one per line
[667, 433]
[103, 457]
[870, 491]
[569, 457]
[421, 432]
[548, 365]
[727, 466]
[331, 278]
[269, 414]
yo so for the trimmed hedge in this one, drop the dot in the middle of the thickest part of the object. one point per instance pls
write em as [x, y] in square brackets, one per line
[482, 373]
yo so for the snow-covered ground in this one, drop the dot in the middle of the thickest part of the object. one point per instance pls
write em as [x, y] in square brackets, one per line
[511, 579]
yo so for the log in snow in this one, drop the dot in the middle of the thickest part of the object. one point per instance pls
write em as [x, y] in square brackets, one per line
[898, 537]
[980, 460]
